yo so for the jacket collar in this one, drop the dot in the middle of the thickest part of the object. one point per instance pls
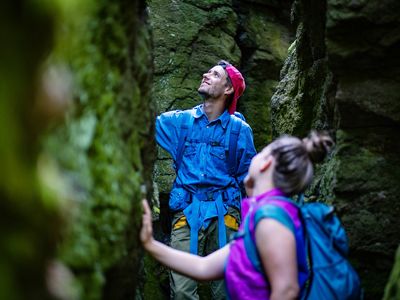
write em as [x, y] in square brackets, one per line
[223, 118]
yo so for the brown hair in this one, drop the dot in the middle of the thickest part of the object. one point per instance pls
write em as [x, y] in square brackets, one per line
[294, 160]
[224, 64]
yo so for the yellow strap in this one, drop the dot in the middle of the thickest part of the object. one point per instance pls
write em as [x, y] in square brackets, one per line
[180, 223]
[231, 222]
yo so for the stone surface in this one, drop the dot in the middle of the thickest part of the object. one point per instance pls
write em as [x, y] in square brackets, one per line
[30, 208]
[342, 74]
[362, 43]
[264, 36]
[105, 148]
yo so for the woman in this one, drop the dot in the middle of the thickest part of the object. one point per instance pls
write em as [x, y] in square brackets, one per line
[283, 168]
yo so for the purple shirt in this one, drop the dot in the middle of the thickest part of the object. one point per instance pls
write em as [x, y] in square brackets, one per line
[242, 280]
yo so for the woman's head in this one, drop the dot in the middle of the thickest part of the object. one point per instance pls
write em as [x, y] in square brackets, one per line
[292, 160]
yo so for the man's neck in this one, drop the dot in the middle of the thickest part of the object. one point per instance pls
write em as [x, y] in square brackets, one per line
[213, 109]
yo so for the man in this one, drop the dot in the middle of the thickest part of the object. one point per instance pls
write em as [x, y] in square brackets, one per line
[212, 150]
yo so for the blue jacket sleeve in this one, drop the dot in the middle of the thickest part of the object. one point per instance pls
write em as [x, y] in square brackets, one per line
[246, 153]
[167, 131]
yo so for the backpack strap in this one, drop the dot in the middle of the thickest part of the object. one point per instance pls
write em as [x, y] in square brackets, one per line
[239, 115]
[266, 211]
[186, 128]
[235, 124]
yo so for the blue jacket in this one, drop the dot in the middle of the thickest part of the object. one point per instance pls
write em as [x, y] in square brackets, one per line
[203, 167]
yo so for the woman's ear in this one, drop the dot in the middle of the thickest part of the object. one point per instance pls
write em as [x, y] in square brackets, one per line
[266, 164]
[228, 90]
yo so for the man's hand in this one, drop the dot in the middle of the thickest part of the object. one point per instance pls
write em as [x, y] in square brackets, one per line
[146, 233]
[249, 185]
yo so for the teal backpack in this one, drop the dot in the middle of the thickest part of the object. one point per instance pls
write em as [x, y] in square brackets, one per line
[331, 276]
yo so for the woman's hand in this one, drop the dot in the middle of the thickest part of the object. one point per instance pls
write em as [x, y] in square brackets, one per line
[249, 185]
[199, 268]
[146, 233]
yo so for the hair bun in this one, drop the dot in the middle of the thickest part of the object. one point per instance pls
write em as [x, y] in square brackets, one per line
[318, 145]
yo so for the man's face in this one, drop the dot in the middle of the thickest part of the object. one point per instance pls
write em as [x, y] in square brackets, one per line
[214, 83]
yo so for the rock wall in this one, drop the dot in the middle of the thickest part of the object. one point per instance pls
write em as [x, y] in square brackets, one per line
[27, 242]
[105, 147]
[264, 34]
[365, 36]
[343, 75]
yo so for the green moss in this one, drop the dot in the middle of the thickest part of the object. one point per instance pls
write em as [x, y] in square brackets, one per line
[392, 290]
[101, 147]
[257, 99]
[325, 181]
[266, 34]
[208, 4]
[156, 279]
[300, 102]
[165, 174]
[30, 209]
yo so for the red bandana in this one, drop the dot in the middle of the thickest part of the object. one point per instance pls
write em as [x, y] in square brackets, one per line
[238, 86]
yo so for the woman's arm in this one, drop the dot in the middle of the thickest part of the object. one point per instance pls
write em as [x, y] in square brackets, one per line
[210, 267]
[277, 247]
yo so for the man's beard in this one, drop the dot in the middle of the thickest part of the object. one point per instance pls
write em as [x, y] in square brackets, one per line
[204, 95]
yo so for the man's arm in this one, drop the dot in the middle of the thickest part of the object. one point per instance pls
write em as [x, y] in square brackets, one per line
[167, 131]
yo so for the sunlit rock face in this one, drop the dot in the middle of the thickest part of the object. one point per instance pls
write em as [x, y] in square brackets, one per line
[343, 75]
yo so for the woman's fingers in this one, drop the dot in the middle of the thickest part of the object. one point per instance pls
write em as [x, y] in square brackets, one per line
[147, 230]
[146, 213]
[146, 207]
